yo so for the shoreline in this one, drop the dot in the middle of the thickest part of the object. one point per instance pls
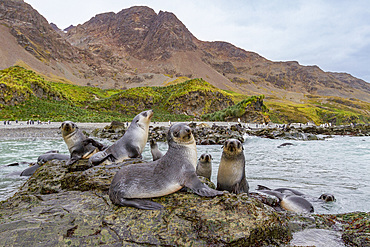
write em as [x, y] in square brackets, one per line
[51, 130]
[22, 130]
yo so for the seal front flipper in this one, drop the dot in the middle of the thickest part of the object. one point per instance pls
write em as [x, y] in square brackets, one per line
[193, 183]
[140, 203]
[74, 158]
[95, 143]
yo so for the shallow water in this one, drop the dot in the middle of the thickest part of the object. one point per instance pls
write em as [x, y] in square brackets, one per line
[339, 166]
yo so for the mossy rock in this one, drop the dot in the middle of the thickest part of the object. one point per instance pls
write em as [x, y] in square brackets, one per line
[78, 212]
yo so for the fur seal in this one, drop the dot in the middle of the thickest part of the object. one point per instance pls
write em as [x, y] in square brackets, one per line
[291, 203]
[78, 145]
[288, 191]
[176, 169]
[42, 159]
[327, 197]
[204, 166]
[154, 150]
[285, 144]
[231, 172]
[130, 145]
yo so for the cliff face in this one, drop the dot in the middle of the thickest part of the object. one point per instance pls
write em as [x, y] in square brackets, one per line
[34, 33]
[112, 49]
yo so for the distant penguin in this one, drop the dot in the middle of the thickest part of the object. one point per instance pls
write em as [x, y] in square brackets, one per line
[154, 150]
[204, 166]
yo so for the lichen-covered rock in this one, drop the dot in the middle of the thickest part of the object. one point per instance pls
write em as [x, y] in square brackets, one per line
[60, 206]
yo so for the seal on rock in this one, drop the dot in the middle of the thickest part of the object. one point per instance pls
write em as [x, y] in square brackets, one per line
[42, 159]
[155, 150]
[291, 202]
[231, 172]
[130, 145]
[78, 145]
[176, 169]
[204, 166]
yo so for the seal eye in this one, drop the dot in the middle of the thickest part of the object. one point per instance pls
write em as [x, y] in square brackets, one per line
[145, 114]
[176, 134]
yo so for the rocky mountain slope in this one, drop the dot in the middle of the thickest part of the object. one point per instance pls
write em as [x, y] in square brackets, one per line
[138, 47]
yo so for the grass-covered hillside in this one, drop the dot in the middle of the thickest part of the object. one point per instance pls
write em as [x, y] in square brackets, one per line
[25, 95]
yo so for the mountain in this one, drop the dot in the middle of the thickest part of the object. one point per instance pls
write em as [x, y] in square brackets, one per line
[138, 47]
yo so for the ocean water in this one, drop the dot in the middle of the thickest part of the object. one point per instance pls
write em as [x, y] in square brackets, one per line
[339, 166]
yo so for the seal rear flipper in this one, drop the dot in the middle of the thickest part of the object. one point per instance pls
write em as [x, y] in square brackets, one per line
[140, 203]
[100, 157]
[193, 183]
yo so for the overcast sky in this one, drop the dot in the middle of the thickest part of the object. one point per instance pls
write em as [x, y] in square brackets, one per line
[333, 34]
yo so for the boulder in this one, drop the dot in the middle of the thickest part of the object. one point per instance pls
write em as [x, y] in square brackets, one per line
[60, 206]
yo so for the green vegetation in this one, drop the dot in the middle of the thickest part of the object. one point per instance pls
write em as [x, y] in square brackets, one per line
[320, 110]
[26, 95]
[238, 109]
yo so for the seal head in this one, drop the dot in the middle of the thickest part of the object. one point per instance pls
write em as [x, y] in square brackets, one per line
[204, 166]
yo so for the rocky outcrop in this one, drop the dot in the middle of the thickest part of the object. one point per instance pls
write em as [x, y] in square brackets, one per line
[62, 205]
[197, 103]
[34, 33]
[205, 134]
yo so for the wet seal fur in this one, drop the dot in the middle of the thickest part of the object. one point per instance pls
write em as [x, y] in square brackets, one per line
[326, 197]
[156, 154]
[204, 166]
[130, 145]
[42, 159]
[231, 172]
[78, 145]
[173, 171]
[290, 202]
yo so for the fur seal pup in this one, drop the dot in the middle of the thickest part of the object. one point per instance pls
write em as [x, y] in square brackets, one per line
[327, 197]
[130, 145]
[204, 166]
[231, 172]
[288, 191]
[78, 145]
[42, 159]
[291, 203]
[154, 150]
[176, 169]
